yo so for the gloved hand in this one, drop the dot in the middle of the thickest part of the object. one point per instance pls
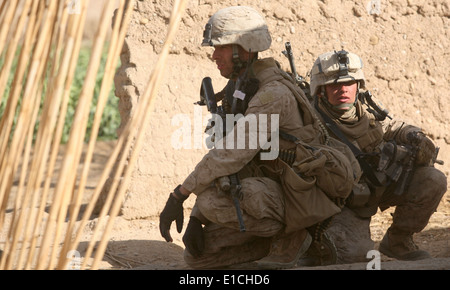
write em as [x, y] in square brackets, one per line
[193, 238]
[425, 147]
[173, 211]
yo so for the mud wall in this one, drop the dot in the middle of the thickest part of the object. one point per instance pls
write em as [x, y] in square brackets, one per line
[404, 46]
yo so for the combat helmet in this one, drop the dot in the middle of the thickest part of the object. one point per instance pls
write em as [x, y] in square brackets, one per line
[336, 67]
[237, 25]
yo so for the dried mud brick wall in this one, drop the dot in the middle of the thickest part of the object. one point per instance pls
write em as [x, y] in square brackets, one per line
[404, 47]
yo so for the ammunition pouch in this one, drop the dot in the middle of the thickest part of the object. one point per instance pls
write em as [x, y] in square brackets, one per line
[288, 156]
[394, 167]
[393, 158]
[390, 164]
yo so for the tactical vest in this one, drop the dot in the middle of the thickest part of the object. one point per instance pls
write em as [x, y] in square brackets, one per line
[367, 132]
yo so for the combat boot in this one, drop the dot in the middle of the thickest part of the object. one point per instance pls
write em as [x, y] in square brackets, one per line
[400, 245]
[322, 252]
[286, 250]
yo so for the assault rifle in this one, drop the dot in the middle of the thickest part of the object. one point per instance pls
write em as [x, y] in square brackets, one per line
[299, 80]
[227, 184]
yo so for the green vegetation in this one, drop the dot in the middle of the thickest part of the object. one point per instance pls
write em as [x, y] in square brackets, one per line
[110, 118]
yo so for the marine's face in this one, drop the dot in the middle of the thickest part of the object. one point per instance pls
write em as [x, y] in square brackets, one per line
[341, 94]
[223, 56]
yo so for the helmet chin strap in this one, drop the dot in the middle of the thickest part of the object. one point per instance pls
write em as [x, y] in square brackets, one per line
[238, 64]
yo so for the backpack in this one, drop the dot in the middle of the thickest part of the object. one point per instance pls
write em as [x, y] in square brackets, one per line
[332, 165]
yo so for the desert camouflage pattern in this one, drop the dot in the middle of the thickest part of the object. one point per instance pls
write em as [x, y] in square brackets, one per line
[272, 98]
[415, 206]
[263, 199]
[238, 25]
[326, 71]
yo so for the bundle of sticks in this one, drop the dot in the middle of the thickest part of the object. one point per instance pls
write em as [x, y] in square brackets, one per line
[45, 39]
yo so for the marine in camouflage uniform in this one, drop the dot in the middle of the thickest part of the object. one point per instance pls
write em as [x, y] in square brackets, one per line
[212, 237]
[336, 80]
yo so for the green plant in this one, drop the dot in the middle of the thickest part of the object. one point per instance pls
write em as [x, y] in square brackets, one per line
[110, 118]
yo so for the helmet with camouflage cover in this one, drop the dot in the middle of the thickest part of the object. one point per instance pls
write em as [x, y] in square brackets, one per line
[336, 67]
[238, 25]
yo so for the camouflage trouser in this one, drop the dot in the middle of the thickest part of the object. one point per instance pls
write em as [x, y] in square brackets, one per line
[262, 205]
[414, 208]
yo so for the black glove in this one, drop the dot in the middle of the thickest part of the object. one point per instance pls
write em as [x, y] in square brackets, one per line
[425, 147]
[193, 238]
[173, 211]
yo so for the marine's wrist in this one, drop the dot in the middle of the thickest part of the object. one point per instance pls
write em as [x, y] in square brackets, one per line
[180, 193]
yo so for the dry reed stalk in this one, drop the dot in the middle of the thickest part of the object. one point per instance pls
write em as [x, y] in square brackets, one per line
[12, 100]
[49, 114]
[73, 43]
[7, 16]
[50, 38]
[9, 113]
[67, 177]
[61, 120]
[118, 33]
[30, 102]
[10, 155]
[6, 184]
[11, 49]
[142, 117]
